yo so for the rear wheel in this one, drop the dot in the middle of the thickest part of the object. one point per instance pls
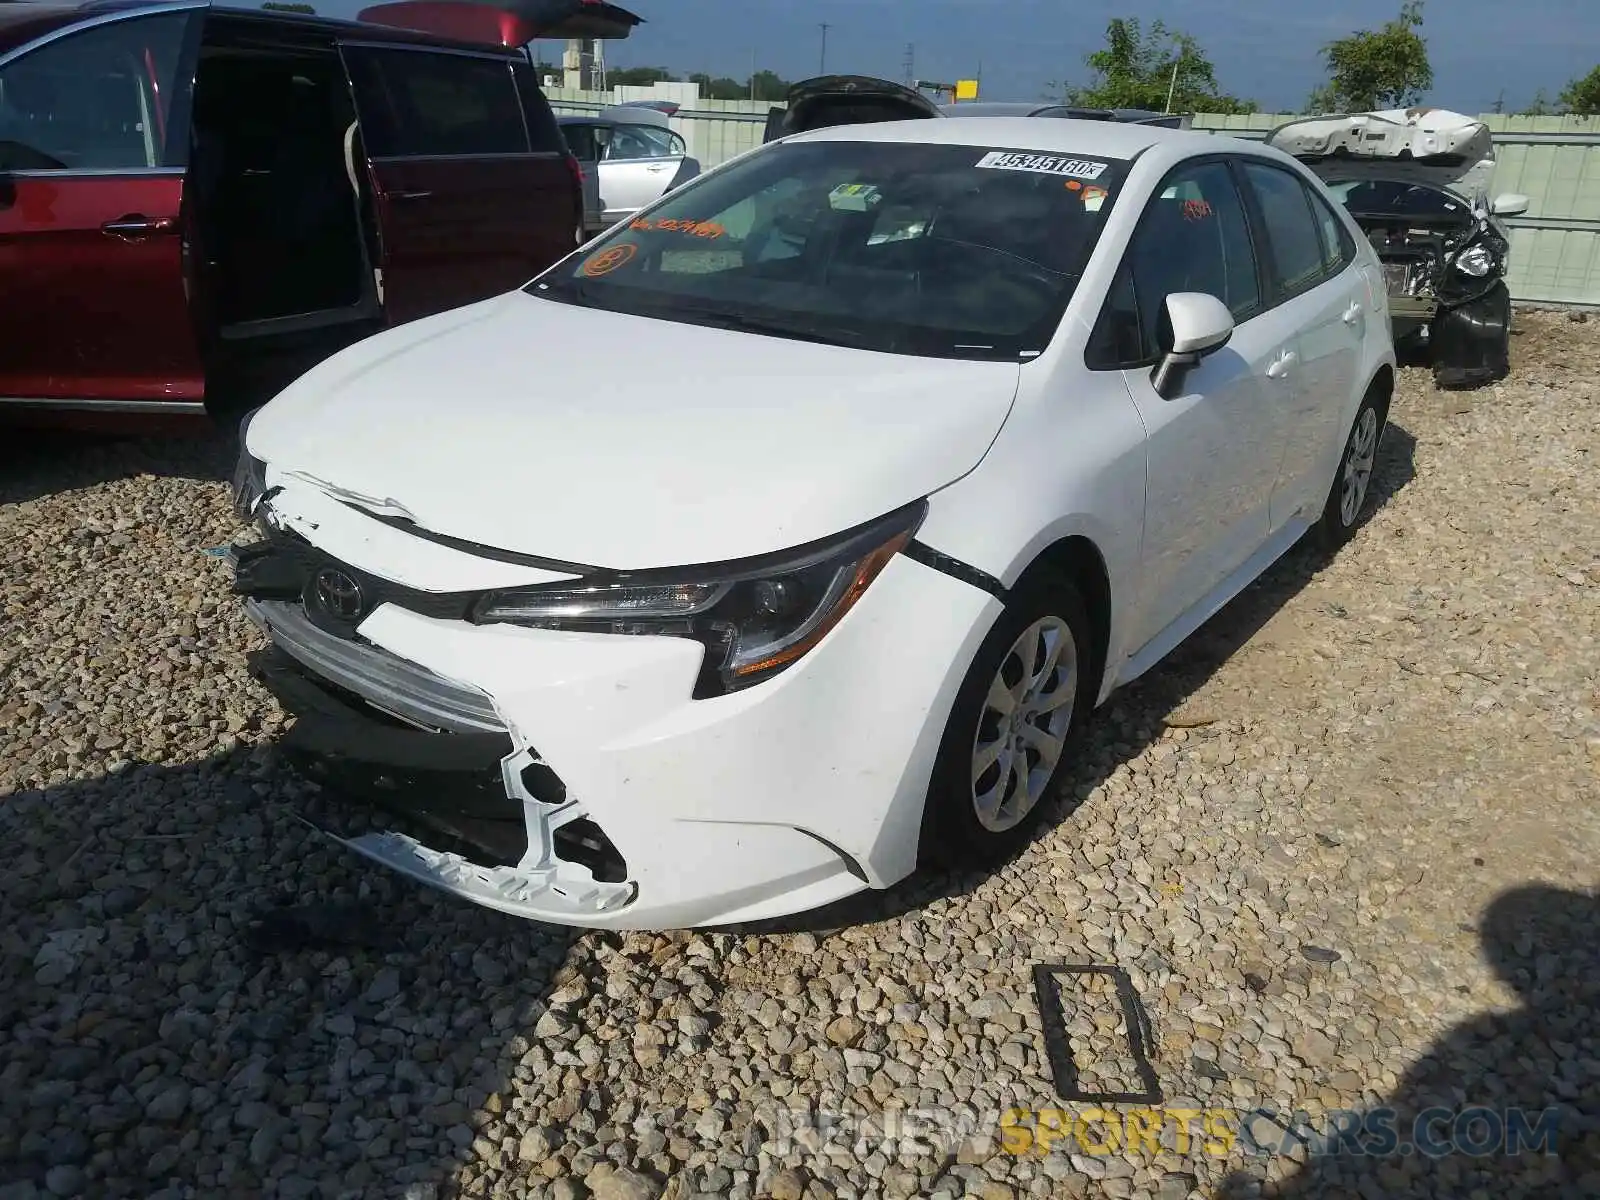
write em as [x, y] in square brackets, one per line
[1352, 484]
[1023, 700]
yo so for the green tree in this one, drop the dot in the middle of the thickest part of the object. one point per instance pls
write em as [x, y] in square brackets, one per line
[1541, 106]
[721, 88]
[1141, 68]
[1582, 96]
[638, 76]
[1376, 69]
[769, 86]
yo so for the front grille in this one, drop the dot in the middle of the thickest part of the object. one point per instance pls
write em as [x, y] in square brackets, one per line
[386, 681]
[284, 566]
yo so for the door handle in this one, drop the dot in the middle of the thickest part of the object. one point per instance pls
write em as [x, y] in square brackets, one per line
[1280, 368]
[137, 225]
[409, 195]
[657, 168]
[1353, 313]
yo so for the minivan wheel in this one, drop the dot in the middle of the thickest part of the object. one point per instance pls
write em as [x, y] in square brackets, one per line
[1014, 719]
[1352, 483]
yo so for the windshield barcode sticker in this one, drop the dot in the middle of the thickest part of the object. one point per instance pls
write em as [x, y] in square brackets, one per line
[1042, 164]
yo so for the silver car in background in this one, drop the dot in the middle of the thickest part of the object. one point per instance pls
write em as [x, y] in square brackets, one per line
[631, 157]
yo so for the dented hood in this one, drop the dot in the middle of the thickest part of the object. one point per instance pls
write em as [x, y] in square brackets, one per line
[627, 442]
[1430, 146]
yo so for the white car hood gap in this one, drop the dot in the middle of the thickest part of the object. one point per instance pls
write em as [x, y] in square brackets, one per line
[625, 442]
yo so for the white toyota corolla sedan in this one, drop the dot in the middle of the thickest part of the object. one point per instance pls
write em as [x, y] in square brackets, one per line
[779, 540]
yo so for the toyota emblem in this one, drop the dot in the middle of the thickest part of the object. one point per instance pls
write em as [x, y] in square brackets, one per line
[338, 594]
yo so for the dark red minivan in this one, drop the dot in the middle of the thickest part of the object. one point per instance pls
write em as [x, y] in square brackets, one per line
[198, 203]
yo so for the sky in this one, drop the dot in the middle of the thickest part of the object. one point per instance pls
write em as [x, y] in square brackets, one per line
[1265, 50]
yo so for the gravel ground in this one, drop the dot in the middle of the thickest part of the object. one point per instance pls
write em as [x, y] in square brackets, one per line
[1344, 843]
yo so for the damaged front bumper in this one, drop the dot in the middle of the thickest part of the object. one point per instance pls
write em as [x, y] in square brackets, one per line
[571, 777]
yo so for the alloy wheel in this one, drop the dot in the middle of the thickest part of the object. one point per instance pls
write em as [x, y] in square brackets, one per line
[1359, 457]
[1023, 727]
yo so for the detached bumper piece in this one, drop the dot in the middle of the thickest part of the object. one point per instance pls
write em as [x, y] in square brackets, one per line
[1472, 341]
[429, 751]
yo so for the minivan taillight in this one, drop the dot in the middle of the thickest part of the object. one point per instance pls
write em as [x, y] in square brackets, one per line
[576, 168]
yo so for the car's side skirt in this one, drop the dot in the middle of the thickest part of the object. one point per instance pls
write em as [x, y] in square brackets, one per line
[1168, 640]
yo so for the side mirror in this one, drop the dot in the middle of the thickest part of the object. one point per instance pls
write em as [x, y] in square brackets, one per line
[1198, 324]
[1510, 204]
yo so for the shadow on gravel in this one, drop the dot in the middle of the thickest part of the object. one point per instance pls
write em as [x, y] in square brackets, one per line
[199, 997]
[36, 463]
[1468, 1119]
[1132, 719]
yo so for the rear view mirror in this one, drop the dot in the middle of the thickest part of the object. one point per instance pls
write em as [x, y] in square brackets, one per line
[1510, 204]
[1198, 324]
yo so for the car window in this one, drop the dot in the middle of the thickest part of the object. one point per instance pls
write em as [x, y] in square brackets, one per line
[942, 250]
[642, 141]
[99, 100]
[1383, 197]
[419, 104]
[581, 141]
[1193, 237]
[1291, 227]
[1338, 247]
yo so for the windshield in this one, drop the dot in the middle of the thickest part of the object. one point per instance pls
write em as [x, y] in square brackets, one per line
[945, 251]
[1392, 198]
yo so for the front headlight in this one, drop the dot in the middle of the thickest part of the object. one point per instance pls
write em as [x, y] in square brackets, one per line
[754, 617]
[249, 474]
[1476, 261]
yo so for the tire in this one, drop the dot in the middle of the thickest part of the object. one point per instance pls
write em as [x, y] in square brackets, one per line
[1352, 482]
[1046, 611]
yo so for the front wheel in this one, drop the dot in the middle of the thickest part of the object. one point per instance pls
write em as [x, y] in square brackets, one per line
[1024, 698]
[1352, 484]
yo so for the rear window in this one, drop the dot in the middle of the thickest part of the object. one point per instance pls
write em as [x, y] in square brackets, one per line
[951, 251]
[426, 104]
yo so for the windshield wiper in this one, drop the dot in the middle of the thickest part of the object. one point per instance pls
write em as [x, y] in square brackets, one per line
[800, 331]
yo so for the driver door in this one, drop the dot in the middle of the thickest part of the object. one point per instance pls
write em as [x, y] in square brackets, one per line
[1212, 449]
[94, 140]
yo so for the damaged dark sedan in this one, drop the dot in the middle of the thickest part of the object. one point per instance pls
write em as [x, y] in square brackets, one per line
[1417, 181]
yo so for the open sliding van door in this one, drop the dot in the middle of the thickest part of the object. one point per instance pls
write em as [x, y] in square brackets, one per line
[471, 182]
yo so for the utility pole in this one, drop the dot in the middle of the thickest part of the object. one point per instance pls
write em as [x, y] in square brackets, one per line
[822, 63]
[752, 73]
[911, 65]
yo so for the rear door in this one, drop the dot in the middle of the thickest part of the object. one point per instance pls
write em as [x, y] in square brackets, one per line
[471, 201]
[94, 138]
[1324, 298]
[581, 141]
[638, 164]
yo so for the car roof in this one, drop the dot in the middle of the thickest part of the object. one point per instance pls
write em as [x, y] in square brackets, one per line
[1107, 139]
[21, 21]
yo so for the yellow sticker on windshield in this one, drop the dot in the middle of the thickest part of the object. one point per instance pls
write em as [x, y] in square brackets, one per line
[854, 197]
